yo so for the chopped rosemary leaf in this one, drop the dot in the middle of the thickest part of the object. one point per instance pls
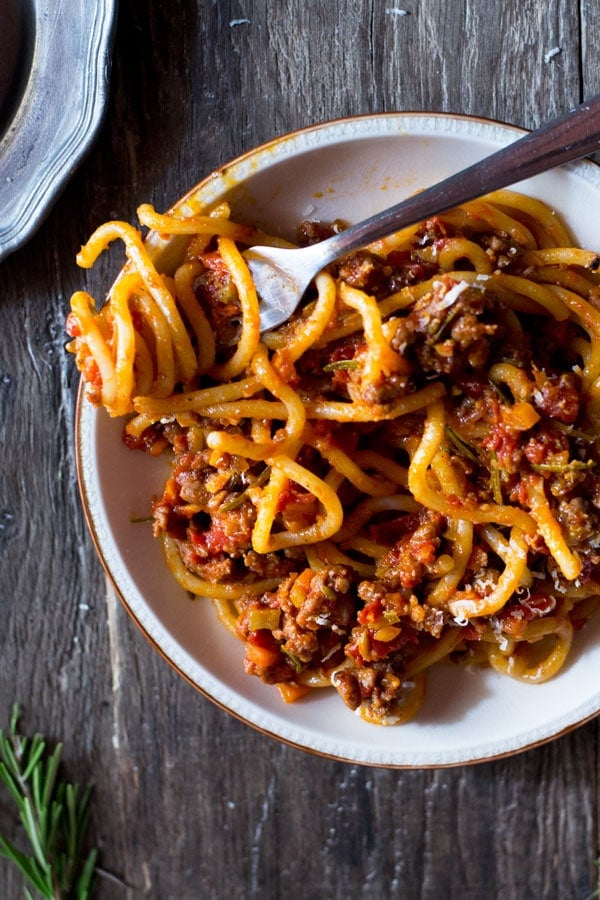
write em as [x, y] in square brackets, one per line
[237, 501]
[341, 364]
[445, 324]
[460, 445]
[495, 485]
[294, 659]
[573, 465]
[575, 433]
[234, 503]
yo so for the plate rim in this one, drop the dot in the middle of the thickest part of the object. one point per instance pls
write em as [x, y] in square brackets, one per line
[85, 411]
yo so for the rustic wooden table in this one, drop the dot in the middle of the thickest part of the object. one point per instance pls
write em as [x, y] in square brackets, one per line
[189, 802]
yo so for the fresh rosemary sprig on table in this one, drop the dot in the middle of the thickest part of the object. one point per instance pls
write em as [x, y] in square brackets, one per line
[54, 815]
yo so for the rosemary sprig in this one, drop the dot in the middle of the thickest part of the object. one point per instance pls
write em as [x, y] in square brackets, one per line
[54, 815]
[596, 893]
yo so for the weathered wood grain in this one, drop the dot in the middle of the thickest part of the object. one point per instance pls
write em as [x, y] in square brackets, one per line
[189, 802]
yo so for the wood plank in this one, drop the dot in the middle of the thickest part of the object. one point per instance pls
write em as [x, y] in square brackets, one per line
[190, 802]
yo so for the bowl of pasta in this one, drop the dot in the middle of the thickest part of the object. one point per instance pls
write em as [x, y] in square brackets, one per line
[372, 532]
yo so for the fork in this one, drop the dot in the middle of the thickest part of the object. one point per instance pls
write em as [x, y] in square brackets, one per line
[282, 276]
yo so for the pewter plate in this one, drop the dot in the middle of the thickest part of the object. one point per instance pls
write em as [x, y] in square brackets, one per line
[53, 90]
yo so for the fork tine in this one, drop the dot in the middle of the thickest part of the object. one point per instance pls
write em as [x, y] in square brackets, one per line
[278, 290]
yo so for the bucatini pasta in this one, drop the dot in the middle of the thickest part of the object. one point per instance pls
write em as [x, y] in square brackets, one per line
[406, 472]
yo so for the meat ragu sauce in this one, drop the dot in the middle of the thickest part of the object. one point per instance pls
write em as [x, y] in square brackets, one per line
[318, 621]
[450, 406]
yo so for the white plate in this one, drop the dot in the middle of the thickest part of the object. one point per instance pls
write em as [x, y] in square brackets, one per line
[347, 169]
[58, 102]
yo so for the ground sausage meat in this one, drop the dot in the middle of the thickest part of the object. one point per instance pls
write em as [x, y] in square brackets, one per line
[360, 609]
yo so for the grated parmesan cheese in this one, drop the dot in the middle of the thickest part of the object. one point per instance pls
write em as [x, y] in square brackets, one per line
[333, 650]
[452, 295]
